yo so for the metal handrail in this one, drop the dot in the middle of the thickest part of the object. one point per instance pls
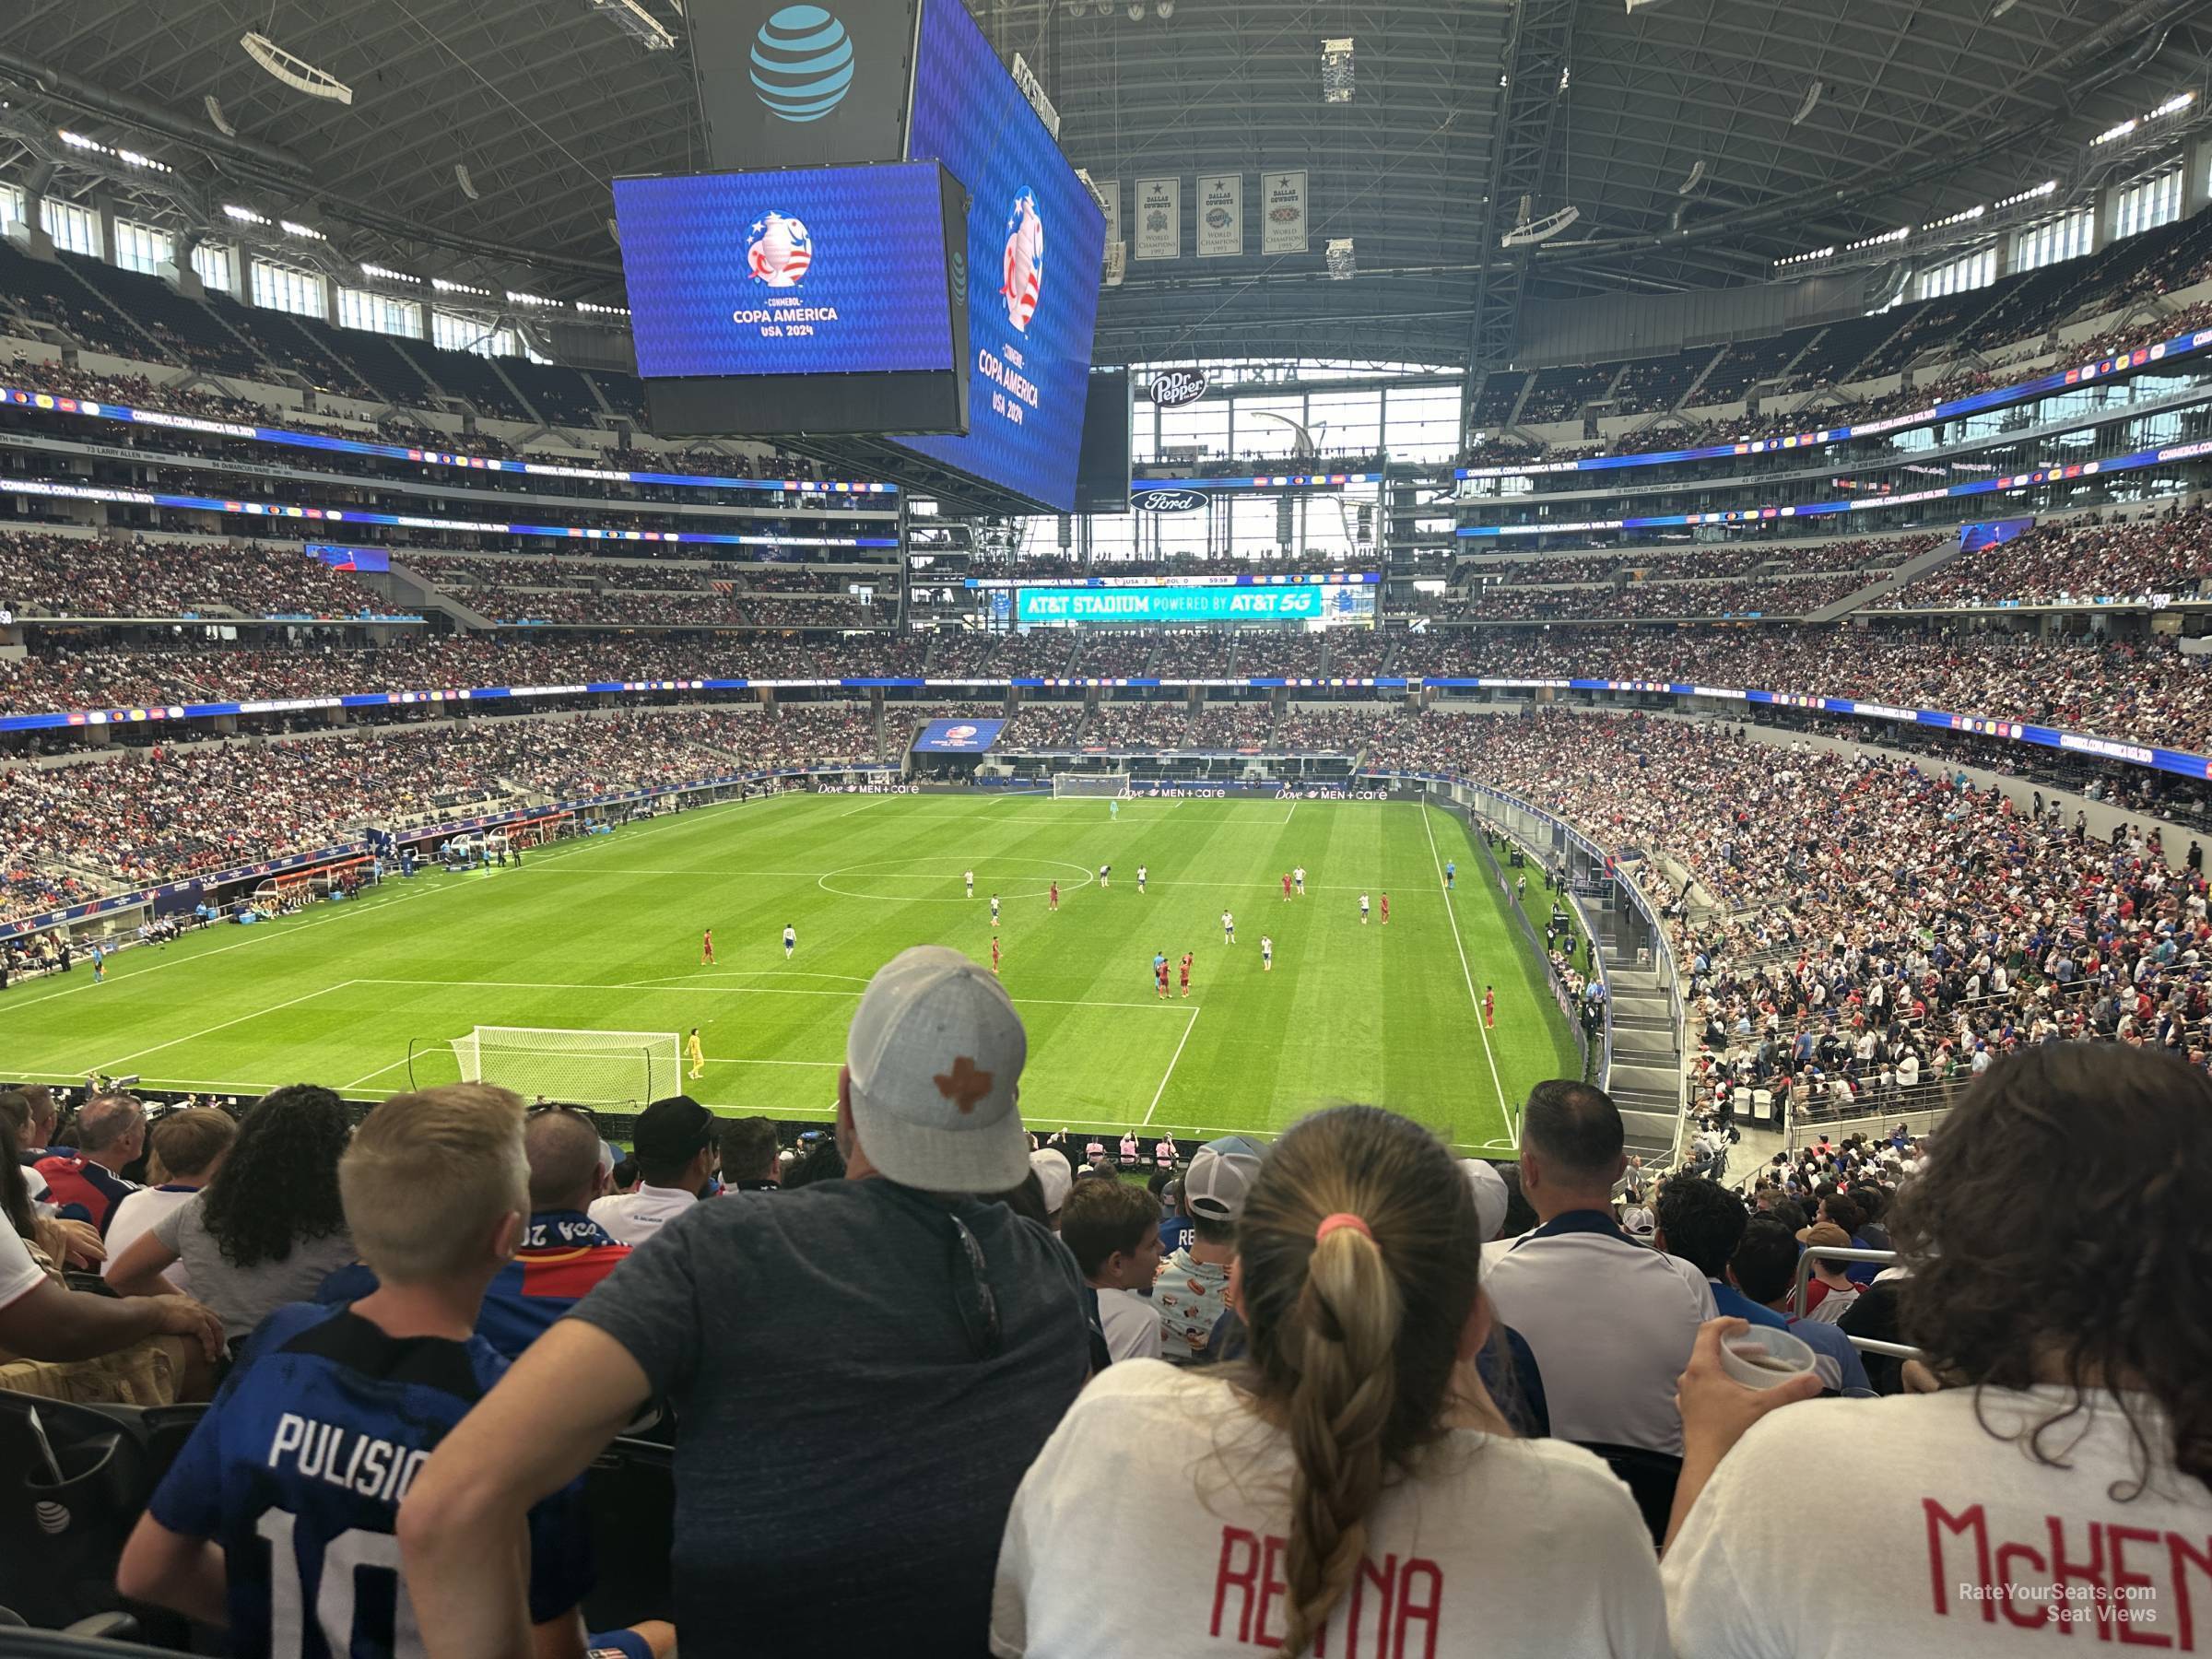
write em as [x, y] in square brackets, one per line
[1838, 1253]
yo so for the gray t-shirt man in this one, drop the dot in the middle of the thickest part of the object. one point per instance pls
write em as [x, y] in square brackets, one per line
[852, 1432]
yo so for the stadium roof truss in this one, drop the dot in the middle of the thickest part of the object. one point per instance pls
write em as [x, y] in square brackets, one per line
[1459, 110]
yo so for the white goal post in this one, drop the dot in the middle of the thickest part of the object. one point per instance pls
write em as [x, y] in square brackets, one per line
[587, 1068]
[1090, 786]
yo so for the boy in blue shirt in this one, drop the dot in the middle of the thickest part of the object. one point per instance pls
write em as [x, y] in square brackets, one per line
[277, 1520]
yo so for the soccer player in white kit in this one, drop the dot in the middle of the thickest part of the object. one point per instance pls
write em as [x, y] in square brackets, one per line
[1299, 875]
[969, 876]
[1229, 928]
[1141, 874]
[1363, 910]
[1266, 954]
[791, 940]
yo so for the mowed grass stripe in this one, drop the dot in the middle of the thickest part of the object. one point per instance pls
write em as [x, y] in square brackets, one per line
[604, 933]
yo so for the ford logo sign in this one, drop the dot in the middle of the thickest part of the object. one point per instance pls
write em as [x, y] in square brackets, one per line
[1172, 388]
[1167, 501]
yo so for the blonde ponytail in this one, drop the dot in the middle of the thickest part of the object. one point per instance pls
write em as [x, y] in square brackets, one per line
[1360, 1250]
[1337, 1414]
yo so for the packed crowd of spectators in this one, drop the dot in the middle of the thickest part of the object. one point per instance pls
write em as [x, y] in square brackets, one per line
[184, 808]
[55, 574]
[1138, 725]
[2167, 554]
[1850, 924]
[1546, 1390]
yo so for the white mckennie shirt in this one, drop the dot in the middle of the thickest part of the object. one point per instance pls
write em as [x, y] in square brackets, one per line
[1156, 1518]
[1976, 1547]
[1611, 1323]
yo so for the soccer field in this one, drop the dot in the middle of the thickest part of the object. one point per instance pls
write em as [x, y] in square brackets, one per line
[604, 933]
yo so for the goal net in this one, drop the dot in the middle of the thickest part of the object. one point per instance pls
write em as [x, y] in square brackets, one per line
[1091, 784]
[587, 1068]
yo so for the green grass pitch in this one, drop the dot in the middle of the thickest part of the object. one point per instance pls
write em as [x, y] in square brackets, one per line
[604, 933]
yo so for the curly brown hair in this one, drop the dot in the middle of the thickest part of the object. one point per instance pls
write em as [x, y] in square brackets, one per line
[2057, 1235]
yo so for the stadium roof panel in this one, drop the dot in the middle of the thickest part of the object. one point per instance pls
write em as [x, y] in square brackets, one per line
[1924, 107]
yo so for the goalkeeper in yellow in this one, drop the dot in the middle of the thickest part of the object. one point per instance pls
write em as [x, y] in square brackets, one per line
[696, 1055]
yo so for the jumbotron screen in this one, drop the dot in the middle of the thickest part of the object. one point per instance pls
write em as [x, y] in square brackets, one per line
[829, 270]
[1036, 244]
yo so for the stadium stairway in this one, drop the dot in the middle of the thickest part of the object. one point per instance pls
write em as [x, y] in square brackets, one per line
[1646, 1079]
[1913, 569]
[418, 593]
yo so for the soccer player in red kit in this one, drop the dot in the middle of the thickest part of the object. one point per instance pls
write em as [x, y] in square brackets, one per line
[1490, 1007]
[994, 954]
[1187, 974]
[1162, 978]
[1055, 898]
[706, 948]
[1285, 887]
[1386, 909]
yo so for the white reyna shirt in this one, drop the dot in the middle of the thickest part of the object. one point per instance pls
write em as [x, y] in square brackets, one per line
[1498, 1547]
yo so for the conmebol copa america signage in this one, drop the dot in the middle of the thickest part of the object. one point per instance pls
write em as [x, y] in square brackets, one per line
[1172, 388]
[1166, 500]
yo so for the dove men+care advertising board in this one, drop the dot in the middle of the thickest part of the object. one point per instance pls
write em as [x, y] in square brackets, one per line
[1036, 245]
[804, 299]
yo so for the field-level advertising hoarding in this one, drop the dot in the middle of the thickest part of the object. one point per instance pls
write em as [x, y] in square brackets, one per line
[1035, 249]
[958, 737]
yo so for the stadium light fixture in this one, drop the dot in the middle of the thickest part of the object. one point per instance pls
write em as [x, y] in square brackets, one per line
[638, 23]
[388, 275]
[295, 72]
[1166, 8]
[244, 215]
[1528, 233]
[468, 185]
[1812, 99]
[215, 114]
[1337, 71]
[1697, 175]
[2048, 187]
[294, 227]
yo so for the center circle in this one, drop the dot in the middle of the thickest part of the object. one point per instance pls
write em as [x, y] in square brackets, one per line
[912, 881]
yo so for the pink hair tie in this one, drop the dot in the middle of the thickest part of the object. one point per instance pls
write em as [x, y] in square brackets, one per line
[1329, 1224]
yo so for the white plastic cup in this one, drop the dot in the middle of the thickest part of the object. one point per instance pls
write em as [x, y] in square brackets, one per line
[1763, 1356]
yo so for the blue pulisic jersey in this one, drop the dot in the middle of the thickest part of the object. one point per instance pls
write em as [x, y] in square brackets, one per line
[297, 1471]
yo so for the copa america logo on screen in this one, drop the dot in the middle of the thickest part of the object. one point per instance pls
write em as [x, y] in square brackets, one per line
[957, 736]
[779, 251]
[1023, 280]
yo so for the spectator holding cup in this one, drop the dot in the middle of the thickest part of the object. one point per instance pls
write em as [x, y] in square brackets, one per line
[2056, 1479]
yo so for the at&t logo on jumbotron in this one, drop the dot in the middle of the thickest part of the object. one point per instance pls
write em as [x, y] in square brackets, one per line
[802, 63]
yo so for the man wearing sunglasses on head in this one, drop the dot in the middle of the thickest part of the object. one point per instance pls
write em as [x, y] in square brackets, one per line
[679, 1154]
[875, 1357]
